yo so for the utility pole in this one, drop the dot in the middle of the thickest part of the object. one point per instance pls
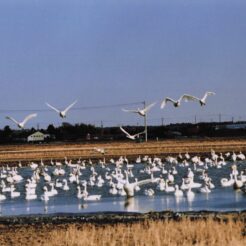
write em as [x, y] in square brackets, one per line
[162, 121]
[145, 124]
[219, 118]
[195, 119]
[101, 128]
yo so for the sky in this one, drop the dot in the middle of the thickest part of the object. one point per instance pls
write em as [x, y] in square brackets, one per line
[114, 52]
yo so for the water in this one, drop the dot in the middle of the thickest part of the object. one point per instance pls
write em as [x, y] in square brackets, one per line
[220, 199]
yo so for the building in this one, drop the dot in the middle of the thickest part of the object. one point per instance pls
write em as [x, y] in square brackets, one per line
[37, 137]
[238, 126]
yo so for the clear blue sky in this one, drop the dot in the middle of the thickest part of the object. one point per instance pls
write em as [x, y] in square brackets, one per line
[117, 51]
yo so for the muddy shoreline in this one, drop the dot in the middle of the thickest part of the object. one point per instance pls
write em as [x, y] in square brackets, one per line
[117, 217]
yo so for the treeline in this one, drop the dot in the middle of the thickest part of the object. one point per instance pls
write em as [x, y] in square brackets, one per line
[84, 132]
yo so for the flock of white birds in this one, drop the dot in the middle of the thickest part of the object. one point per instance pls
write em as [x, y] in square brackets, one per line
[182, 176]
[141, 112]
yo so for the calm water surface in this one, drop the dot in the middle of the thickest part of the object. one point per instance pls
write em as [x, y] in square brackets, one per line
[220, 199]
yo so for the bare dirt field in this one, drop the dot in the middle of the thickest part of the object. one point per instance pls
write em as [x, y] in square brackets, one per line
[31, 152]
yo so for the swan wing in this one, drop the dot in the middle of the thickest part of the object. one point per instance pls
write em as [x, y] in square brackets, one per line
[187, 98]
[50, 106]
[143, 182]
[130, 110]
[12, 119]
[137, 134]
[149, 107]
[167, 99]
[123, 130]
[30, 116]
[163, 103]
[208, 93]
[70, 106]
[146, 181]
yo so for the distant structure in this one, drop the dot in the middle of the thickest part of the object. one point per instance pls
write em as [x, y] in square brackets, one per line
[37, 137]
[231, 126]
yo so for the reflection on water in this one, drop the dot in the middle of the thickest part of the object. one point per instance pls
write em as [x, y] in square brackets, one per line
[220, 199]
[227, 200]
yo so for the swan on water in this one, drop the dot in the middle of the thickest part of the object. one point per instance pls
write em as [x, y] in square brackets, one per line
[178, 192]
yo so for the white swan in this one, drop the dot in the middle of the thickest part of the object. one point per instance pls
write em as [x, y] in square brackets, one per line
[170, 177]
[53, 191]
[184, 185]
[113, 190]
[129, 188]
[161, 185]
[169, 189]
[30, 196]
[64, 112]
[100, 150]
[241, 156]
[17, 178]
[92, 198]
[141, 112]
[178, 192]
[205, 189]
[45, 196]
[85, 195]
[176, 103]
[2, 197]
[227, 182]
[65, 185]
[203, 99]
[22, 124]
[14, 194]
[190, 194]
[187, 156]
[149, 192]
[138, 160]
[30, 191]
[79, 193]
[58, 183]
[193, 184]
[121, 192]
[132, 137]
[31, 184]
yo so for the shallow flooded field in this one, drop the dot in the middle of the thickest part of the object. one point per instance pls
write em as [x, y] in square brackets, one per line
[66, 201]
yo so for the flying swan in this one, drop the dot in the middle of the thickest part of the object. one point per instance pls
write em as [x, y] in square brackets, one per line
[132, 137]
[176, 103]
[64, 112]
[203, 99]
[21, 124]
[141, 112]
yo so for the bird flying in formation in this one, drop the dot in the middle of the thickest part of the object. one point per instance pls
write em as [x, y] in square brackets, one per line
[62, 113]
[186, 98]
[141, 112]
[176, 103]
[203, 99]
[22, 124]
[132, 137]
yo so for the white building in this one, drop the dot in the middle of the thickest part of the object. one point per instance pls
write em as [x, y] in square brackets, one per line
[37, 137]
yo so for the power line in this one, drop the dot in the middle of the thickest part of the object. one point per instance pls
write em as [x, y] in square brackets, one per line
[75, 108]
